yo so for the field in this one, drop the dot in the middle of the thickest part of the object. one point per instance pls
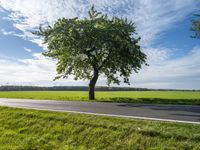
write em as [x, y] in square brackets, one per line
[157, 97]
[30, 129]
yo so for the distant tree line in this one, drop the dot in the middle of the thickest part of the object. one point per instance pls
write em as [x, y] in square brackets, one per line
[79, 88]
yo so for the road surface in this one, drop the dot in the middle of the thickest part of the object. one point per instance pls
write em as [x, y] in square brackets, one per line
[172, 113]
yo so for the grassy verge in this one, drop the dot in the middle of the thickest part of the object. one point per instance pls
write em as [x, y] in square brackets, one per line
[156, 97]
[31, 129]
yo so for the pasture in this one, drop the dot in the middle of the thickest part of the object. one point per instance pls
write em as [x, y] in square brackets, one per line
[156, 97]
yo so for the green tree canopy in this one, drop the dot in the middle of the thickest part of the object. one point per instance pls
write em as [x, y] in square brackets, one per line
[196, 26]
[92, 46]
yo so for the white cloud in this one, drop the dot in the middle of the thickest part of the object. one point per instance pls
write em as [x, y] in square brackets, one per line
[26, 70]
[182, 72]
[4, 32]
[27, 49]
[1, 9]
[36, 71]
[156, 55]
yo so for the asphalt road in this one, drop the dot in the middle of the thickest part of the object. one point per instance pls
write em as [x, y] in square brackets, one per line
[173, 113]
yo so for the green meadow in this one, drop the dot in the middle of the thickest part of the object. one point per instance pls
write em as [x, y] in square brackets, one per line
[22, 129]
[157, 97]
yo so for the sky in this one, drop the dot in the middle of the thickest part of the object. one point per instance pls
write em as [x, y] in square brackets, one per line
[164, 27]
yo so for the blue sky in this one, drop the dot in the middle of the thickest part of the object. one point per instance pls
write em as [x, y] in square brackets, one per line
[164, 27]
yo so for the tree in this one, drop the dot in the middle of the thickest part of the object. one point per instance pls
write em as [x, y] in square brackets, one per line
[196, 26]
[89, 47]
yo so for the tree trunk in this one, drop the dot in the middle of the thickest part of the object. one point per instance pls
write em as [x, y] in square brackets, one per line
[92, 84]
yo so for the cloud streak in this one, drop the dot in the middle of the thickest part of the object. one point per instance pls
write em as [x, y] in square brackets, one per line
[27, 50]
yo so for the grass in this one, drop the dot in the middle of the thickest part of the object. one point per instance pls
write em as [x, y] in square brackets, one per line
[157, 97]
[22, 129]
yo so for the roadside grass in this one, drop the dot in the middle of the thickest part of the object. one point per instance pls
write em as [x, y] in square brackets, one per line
[22, 129]
[147, 97]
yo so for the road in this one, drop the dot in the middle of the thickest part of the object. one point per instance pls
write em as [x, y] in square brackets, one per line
[172, 113]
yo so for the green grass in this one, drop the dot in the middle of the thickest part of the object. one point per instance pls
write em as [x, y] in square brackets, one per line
[22, 129]
[157, 97]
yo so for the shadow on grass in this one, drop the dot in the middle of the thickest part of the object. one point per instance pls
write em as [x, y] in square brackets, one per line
[153, 101]
[153, 133]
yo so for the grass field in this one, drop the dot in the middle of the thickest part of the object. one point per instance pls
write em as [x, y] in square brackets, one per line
[22, 129]
[157, 97]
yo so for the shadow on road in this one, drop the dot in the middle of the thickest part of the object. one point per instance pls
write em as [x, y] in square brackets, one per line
[162, 107]
[155, 101]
